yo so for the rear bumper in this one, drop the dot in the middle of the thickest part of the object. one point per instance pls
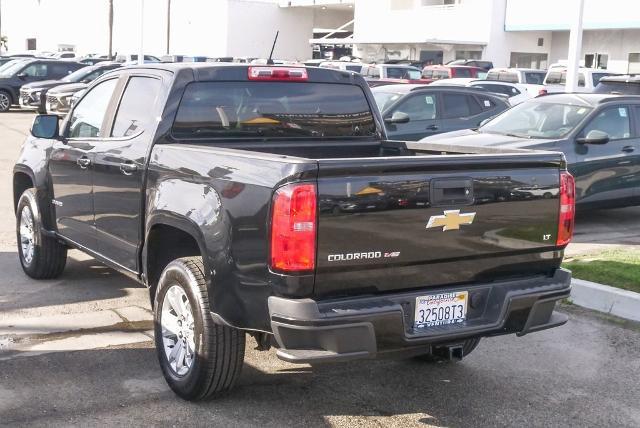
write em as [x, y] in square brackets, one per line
[365, 327]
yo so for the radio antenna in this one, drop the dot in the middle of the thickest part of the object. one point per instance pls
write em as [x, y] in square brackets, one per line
[270, 60]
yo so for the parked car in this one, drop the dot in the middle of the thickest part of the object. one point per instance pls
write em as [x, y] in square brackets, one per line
[514, 92]
[22, 72]
[437, 72]
[525, 76]
[381, 74]
[59, 98]
[35, 96]
[588, 79]
[133, 58]
[627, 85]
[412, 112]
[181, 180]
[343, 65]
[485, 65]
[596, 133]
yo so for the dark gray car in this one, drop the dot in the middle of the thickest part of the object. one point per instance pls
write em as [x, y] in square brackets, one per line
[412, 112]
[599, 135]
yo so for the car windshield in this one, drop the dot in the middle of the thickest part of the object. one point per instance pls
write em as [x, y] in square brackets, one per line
[403, 73]
[612, 87]
[385, 99]
[536, 119]
[534, 77]
[273, 109]
[78, 75]
[11, 68]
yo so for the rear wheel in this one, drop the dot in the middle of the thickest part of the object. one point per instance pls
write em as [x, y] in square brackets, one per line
[5, 101]
[41, 256]
[199, 358]
[467, 347]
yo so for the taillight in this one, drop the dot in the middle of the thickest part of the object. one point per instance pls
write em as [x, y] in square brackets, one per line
[566, 218]
[293, 228]
[296, 74]
[542, 92]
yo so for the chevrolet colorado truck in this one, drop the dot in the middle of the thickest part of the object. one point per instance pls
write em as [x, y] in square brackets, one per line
[266, 200]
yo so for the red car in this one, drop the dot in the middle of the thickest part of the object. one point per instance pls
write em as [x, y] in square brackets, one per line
[437, 72]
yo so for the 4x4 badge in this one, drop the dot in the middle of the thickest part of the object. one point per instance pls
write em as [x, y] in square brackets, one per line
[451, 220]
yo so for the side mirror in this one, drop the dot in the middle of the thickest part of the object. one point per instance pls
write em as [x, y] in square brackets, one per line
[22, 76]
[45, 126]
[398, 117]
[594, 137]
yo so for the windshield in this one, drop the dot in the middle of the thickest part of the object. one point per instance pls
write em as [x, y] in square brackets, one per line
[78, 75]
[273, 109]
[534, 77]
[537, 120]
[385, 99]
[11, 68]
[403, 73]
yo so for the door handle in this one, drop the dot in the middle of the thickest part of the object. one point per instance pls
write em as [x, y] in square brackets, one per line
[628, 149]
[84, 162]
[128, 168]
[432, 127]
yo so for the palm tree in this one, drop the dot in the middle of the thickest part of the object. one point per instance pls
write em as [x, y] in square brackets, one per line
[110, 29]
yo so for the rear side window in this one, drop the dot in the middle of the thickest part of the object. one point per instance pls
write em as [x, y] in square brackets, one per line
[273, 110]
[486, 103]
[61, 70]
[533, 78]
[459, 105]
[135, 112]
[462, 72]
[427, 74]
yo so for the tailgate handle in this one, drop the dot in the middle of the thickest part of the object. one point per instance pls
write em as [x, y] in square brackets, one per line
[451, 191]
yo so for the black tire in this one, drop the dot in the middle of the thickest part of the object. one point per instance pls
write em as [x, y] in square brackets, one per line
[5, 101]
[219, 349]
[49, 256]
[467, 348]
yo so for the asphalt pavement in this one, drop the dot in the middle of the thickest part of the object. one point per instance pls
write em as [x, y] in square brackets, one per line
[78, 351]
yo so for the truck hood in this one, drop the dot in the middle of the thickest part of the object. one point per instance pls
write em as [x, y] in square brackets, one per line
[44, 84]
[471, 138]
[69, 87]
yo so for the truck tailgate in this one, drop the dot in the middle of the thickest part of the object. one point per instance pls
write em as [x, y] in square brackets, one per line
[414, 222]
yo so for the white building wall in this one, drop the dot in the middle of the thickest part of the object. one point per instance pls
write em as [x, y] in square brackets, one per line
[615, 43]
[253, 26]
[198, 27]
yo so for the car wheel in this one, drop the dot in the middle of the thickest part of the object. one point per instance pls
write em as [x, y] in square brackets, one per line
[467, 348]
[41, 256]
[199, 358]
[5, 101]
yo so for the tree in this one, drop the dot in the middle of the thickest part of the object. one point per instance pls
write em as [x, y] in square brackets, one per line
[110, 29]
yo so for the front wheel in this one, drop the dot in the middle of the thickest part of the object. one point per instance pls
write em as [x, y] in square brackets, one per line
[199, 358]
[41, 256]
[5, 101]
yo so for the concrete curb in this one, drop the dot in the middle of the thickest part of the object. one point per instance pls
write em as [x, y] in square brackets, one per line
[603, 298]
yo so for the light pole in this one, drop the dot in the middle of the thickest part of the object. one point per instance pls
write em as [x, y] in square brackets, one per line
[168, 26]
[575, 48]
[141, 50]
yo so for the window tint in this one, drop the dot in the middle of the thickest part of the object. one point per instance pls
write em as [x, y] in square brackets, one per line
[463, 72]
[135, 112]
[533, 78]
[613, 121]
[629, 88]
[373, 72]
[419, 107]
[427, 74]
[402, 73]
[459, 105]
[86, 119]
[273, 109]
[57, 71]
[36, 70]
[560, 78]
[486, 103]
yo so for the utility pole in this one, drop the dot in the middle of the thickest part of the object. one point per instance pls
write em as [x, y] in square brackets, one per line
[575, 48]
[141, 50]
[168, 26]
[110, 30]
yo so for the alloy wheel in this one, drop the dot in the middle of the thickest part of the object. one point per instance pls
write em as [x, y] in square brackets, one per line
[178, 330]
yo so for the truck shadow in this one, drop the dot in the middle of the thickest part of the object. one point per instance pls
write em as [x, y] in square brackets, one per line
[83, 280]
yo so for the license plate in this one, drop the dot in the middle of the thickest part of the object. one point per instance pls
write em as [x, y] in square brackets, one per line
[441, 309]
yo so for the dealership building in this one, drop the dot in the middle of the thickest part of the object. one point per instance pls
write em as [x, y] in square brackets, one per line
[522, 33]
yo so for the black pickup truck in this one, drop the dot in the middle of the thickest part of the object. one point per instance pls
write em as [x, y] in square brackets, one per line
[267, 200]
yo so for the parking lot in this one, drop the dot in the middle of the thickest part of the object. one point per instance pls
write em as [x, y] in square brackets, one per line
[583, 374]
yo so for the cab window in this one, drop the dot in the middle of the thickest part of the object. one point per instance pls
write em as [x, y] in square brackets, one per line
[88, 115]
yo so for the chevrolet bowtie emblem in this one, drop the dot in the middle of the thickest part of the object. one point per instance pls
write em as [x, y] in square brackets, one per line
[451, 220]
